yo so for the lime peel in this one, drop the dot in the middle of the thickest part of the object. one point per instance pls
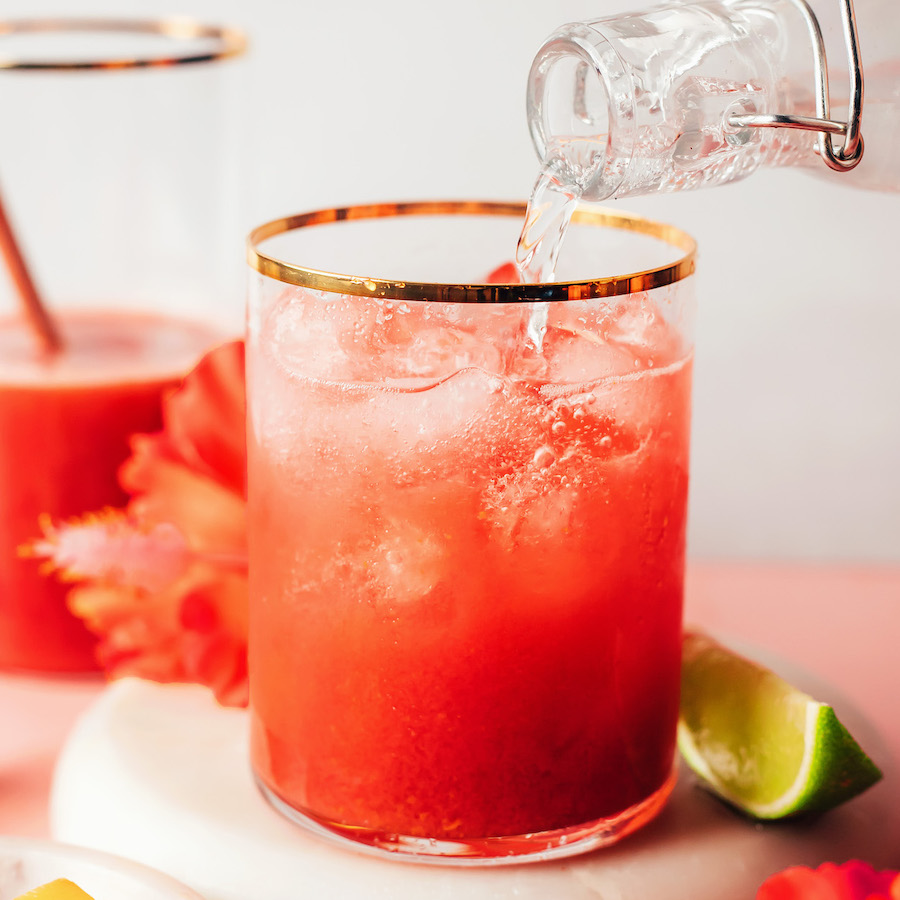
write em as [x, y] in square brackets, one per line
[761, 744]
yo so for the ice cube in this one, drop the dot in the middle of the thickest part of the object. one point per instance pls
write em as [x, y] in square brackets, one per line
[589, 340]
[405, 563]
[581, 356]
[302, 333]
[465, 427]
[640, 328]
[548, 492]
[450, 337]
[438, 351]
[527, 507]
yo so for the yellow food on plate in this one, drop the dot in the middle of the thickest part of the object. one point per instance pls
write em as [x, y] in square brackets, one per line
[61, 889]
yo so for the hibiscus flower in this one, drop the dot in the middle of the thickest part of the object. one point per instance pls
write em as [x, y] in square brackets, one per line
[163, 583]
[853, 880]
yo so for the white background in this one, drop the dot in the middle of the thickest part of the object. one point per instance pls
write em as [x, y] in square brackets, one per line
[797, 419]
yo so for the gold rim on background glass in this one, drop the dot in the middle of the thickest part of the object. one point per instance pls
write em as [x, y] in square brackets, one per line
[364, 286]
[226, 42]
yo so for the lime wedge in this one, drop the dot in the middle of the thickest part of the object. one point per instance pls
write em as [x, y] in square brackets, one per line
[758, 742]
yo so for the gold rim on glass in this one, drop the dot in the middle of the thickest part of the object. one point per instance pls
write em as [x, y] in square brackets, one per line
[225, 42]
[364, 286]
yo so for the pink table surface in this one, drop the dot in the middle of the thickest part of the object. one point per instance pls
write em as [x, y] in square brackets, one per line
[840, 624]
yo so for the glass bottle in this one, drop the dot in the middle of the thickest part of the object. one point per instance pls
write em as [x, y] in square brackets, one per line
[691, 94]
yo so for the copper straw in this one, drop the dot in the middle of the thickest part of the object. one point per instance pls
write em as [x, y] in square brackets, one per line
[36, 314]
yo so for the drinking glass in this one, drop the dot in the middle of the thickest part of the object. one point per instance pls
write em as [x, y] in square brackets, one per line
[118, 172]
[467, 506]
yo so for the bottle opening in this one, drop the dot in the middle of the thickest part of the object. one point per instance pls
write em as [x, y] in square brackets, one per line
[580, 110]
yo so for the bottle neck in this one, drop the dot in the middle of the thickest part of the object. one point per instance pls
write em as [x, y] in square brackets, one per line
[645, 102]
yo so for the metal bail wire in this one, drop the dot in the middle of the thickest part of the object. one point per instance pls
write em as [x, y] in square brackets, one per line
[846, 156]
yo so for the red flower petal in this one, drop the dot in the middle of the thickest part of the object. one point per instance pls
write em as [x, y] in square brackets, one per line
[110, 547]
[507, 273]
[198, 613]
[797, 883]
[854, 880]
[211, 517]
[164, 581]
[203, 421]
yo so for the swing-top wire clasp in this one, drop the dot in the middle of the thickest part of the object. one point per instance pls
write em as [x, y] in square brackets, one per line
[846, 156]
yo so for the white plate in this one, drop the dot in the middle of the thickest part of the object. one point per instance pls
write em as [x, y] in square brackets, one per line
[25, 864]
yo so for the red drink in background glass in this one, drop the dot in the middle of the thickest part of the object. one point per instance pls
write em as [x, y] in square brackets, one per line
[64, 430]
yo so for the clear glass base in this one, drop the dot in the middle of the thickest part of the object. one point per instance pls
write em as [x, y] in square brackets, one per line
[491, 851]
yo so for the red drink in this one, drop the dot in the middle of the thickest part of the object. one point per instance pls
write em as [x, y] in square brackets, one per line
[65, 426]
[466, 563]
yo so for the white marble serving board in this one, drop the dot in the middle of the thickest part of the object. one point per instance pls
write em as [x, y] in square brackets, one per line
[160, 774]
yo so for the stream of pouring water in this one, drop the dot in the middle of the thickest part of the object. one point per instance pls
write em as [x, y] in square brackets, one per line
[550, 209]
